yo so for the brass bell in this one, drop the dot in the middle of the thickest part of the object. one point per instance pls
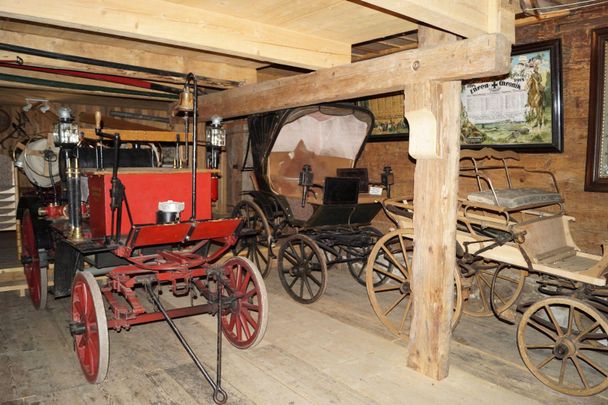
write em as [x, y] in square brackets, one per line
[186, 100]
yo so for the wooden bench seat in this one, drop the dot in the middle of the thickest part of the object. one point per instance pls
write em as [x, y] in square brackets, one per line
[516, 198]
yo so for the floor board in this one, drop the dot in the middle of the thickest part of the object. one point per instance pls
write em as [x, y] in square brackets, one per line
[334, 351]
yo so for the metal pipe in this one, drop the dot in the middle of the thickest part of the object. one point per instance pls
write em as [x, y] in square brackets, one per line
[192, 78]
[218, 392]
[114, 65]
[85, 87]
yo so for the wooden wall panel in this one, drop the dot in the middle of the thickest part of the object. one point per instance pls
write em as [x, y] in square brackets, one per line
[589, 209]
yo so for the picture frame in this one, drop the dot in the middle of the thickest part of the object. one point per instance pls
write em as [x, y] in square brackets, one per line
[389, 119]
[521, 110]
[596, 168]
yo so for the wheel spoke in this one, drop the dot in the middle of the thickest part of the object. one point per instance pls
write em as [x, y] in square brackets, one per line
[313, 278]
[294, 253]
[541, 328]
[591, 328]
[296, 278]
[592, 364]
[308, 287]
[309, 256]
[484, 300]
[249, 320]
[404, 250]
[231, 322]
[251, 307]
[545, 361]
[391, 275]
[406, 313]
[245, 282]
[553, 320]
[292, 259]
[302, 252]
[562, 371]
[394, 260]
[533, 347]
[570, 320]
[302, 286]
[593, 347]
[239, 328]
[386, 288]
[394, 304]
[580, 371]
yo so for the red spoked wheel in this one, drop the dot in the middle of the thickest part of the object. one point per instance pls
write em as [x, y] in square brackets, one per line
[89, 327]
[244, 322]
[35, 275]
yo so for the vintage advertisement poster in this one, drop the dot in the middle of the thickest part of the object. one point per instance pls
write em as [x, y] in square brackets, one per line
[515, 110]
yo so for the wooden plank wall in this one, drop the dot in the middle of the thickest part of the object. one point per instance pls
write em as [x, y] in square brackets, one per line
[589, 209]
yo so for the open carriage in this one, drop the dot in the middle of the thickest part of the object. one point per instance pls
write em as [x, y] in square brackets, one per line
[144, 230]
[309, 195]
[506, 231]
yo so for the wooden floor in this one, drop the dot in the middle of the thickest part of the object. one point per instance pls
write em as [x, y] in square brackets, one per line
[331, 352]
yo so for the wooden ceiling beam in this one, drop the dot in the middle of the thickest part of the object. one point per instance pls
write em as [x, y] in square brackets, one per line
[467, 18]
[216, 72]
[485, 55]
[169, 23]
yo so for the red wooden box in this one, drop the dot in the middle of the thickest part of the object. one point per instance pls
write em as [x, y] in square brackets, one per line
[145, 188]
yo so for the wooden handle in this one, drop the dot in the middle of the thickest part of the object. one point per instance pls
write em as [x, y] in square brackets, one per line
[97, 120]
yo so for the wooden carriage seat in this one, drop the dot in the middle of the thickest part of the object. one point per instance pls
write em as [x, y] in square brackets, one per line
[516, 198]
[488, 166]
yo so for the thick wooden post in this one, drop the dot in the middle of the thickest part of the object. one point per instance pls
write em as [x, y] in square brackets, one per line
[435, 200]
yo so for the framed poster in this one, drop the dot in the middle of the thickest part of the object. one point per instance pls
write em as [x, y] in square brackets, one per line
[521, 110]
[596, 171]
[389, 122]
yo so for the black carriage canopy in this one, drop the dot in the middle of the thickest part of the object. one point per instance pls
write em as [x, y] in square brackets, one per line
[327, 137]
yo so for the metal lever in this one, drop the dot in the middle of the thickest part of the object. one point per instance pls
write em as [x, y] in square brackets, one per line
[219, 395]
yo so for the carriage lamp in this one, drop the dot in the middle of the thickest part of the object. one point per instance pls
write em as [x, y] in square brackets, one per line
[387, 179]
[305, 181]
[66, 131]
[215, 140]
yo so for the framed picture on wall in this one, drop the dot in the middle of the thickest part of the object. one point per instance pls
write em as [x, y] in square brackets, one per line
[521, 110]
[596, 172]
[389, 123]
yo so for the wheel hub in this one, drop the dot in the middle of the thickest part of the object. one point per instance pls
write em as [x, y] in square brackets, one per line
[405, 288]
[563, 349]
[77, 328]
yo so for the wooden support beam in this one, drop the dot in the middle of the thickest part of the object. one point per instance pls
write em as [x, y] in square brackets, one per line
[181, 25]
[435, 199]
[485, 55]
[467, 18]
[116, 54]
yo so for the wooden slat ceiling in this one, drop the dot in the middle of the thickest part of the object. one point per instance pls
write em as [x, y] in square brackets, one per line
[367, 29]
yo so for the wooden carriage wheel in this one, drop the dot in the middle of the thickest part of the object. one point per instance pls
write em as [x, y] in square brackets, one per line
[509, 285]
[255, 240]
[302, 269]
[358, 258]
[35, 274]
[391, 257]
[89, 327]
[244, 323]
[564, 343]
